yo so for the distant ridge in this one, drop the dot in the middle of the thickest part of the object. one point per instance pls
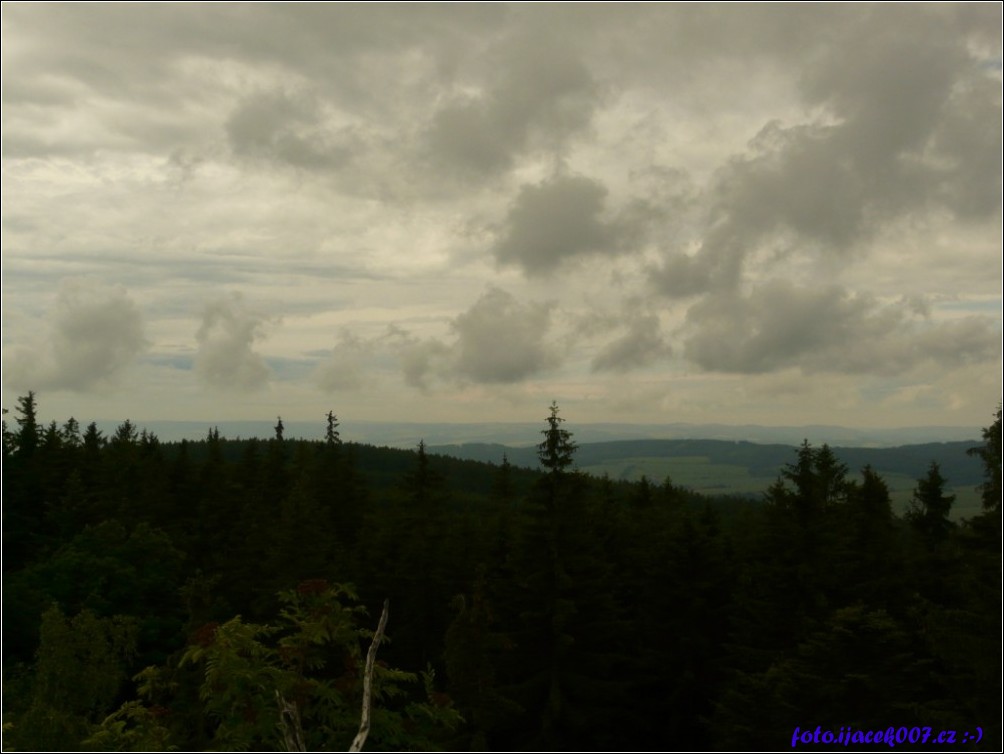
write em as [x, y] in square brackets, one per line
[712, 459]
[407, 435]
[738, 467]
[761, 460]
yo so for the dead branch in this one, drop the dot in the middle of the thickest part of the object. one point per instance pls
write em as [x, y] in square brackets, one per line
[364, 723]
[289, 721]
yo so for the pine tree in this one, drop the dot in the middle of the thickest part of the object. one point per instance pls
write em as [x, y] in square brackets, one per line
[338, 487]
[801, 508]
[473, 649]
[125, 434]
[862, 565]
[643, 495]
[94, 439]
[301, 538]
[213, 515]
[830, 478]
[423, 485]
[27, 437]
[23, 501]
[990, 454]
[562, 616]
[814, 482]
[9, 444]
[556, 451]
[930, 506]
[70, 433]
[502, 484]
[331, 435]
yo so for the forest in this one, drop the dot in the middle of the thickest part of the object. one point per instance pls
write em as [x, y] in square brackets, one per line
[226, 594]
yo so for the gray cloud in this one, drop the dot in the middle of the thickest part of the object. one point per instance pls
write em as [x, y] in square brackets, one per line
[226, 357]
[541, 95]
[393, 157]
[287, 128]
[422, 360]
[779, 325]
[344, 367]
[640, 345]
[497, 340]
[908, 121]
[968, 141]
[501, 340]
[162, 78]
[970, 340]
[717, 265]
[554, 221]
[96, 333]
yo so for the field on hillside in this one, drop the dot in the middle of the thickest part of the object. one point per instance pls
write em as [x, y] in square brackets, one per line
[702, 474]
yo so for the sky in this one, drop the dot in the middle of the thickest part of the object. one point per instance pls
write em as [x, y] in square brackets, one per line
[736, 213]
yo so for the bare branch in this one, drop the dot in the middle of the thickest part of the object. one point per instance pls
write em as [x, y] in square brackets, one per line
[364, 723]
[289, 721]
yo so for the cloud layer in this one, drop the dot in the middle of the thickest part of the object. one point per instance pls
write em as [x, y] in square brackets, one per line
[703, 208]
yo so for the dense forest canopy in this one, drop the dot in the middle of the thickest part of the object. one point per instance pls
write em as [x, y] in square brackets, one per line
[223, 594]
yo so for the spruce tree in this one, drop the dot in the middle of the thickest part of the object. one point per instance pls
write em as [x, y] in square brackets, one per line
[27, 437]
[562, 618]
[331, 434]
[556, 451]
[990, 454]
[930, 506]
[23, 502]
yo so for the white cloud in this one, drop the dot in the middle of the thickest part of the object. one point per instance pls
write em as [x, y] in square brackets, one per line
[95, 332]
[226, 358]
[345, 368]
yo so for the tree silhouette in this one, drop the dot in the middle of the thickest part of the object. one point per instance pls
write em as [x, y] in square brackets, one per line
[930, 506]
[556, 451]
[331, 435]
[990, 454]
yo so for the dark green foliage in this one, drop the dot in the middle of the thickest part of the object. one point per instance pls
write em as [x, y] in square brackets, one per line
[79, 670]
[310, 661]
[423, 484]
[27, 437]
[742, 463]
[860, 661]
[930, 507]
[990, 454]
[556, 450]
[550, 609]
[474, 649]
[564, 620]
[861, 595]
[331, 435]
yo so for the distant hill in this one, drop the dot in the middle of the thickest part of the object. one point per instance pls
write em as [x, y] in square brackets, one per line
[759, 459]
[408, 434]
[718, 467]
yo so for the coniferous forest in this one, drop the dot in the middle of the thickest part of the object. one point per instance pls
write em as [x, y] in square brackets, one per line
[253, 595]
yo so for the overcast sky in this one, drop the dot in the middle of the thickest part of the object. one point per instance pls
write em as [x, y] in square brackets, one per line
[772, 214]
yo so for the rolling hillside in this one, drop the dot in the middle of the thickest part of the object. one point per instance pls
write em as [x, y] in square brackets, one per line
[719, 467]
